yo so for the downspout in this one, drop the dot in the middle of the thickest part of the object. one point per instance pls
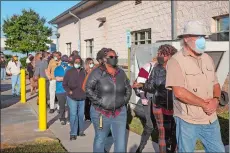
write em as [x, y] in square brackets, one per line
[79, 30]
[173, 20]
[57, 44]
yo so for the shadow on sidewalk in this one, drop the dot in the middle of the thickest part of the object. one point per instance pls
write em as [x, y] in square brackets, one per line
[10, 100]
[52, 121]
[5, 87]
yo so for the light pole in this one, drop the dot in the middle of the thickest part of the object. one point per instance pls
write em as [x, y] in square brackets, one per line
[57, 44]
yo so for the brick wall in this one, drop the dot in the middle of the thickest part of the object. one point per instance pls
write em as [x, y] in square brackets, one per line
[124, 15]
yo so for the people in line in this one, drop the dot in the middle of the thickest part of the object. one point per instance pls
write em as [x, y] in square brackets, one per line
[3, 64]
[30, 70]
[13, 70]
[146, 100]
[56, 61]
[163, 104]
[192, 78]
[28, 59]
[40, 70]
[89, 65]
[109, 90]
[59, 74]
[72, 83]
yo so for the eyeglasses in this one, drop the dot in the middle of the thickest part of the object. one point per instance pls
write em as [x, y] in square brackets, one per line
[115, 57]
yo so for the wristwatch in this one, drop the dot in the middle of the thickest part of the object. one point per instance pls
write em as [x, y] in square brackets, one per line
[218, 98]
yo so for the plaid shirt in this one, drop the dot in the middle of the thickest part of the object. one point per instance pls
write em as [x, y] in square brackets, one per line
[106, 112]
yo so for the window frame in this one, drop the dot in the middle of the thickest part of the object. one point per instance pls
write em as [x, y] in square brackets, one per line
[140, 41]
[90, 45]
[69, 47]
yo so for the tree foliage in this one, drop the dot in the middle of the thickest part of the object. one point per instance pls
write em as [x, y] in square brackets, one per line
[26, 32]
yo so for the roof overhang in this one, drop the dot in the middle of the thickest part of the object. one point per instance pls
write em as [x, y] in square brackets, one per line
[76, 9]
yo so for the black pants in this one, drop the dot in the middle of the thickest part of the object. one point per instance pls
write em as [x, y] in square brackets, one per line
[47, 90]
[62, 101]
[149, 126]
[87, 109]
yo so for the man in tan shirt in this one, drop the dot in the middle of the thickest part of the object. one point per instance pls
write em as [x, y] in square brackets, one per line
[56, 61]
[191, 75]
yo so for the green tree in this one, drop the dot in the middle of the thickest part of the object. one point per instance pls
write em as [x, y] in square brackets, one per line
[26, 32]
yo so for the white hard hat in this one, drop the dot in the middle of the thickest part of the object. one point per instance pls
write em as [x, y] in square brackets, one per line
[194, 28]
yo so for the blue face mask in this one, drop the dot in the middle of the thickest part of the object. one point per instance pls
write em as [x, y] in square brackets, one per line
[200, 45]
[64, 64]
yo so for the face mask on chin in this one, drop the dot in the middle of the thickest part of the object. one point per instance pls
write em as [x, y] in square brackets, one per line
[200, 45]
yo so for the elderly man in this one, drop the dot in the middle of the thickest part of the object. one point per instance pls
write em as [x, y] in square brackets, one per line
[191, 75]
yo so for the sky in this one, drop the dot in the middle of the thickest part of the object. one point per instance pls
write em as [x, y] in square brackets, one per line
[46, 9]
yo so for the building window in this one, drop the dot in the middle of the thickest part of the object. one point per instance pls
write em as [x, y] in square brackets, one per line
[222, 28]
[138, 2]
[141, 37]
[89, 48]
[68, 45]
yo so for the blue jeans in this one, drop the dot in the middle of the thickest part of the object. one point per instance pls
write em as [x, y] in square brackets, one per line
[3, 73]
[116, 124]
[77, 110]
[187, 135]
[15, 84]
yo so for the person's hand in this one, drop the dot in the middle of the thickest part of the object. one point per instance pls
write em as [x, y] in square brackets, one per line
[211, 106]
[70, 92]
[137, 85]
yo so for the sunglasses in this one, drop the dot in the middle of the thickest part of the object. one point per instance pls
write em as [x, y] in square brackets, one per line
[113, 57]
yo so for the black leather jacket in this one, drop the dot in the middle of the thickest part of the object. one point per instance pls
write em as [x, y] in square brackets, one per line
[106, 93]
[156, 85]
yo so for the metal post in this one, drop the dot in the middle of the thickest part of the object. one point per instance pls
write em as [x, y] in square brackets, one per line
[173, 20]
[23, 85]
[42, 104]
[129, 63]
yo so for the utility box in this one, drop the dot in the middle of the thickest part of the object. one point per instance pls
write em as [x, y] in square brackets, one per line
[142, 54]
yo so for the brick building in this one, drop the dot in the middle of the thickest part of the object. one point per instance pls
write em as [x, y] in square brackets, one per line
[104, 23]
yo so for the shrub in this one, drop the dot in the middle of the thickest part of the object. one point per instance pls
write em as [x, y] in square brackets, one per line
[23, 62]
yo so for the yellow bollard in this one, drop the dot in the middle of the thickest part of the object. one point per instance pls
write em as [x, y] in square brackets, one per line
[23, 85]
[42, 104]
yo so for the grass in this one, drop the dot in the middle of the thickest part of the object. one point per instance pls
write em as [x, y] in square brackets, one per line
[136, 126]
[35, 146]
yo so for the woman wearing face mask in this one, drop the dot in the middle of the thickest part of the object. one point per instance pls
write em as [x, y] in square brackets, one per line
[89, 65]
[59, 74]
[163, 104]
[109, 90]
[72, 84]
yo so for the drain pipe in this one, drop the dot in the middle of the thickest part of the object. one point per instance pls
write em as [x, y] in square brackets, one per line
[57, 35]
[173, 20]
[79, 30]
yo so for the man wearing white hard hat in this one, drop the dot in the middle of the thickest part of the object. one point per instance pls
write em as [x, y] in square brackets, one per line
[191, 75]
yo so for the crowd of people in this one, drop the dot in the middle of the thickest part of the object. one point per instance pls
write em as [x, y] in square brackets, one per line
[180, 89]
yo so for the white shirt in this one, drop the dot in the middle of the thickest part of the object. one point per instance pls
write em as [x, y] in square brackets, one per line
[13, 68]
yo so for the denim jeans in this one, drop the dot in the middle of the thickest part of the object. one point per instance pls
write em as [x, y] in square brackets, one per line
[15, 84]
[209, 134]
[76, 109]
[116, 124]
[3, 73]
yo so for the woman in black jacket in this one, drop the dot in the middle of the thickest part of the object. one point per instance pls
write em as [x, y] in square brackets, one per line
[163, 103]
[109, 90]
